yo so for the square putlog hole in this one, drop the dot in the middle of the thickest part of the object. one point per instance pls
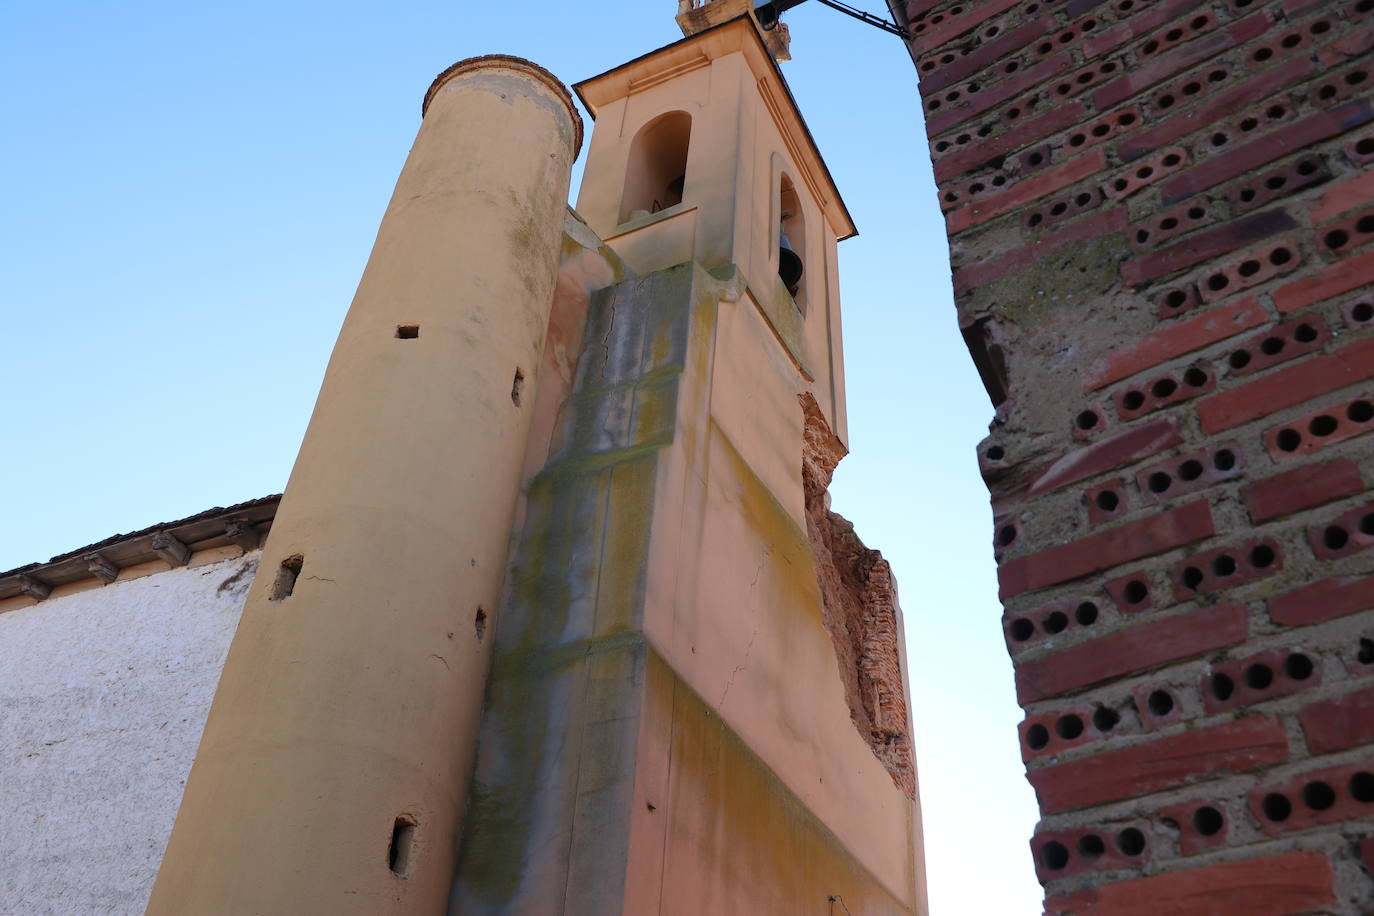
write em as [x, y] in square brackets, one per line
[407, 331]
[285, 583]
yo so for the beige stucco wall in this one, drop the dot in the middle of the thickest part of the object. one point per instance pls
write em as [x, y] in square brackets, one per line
[103, 695]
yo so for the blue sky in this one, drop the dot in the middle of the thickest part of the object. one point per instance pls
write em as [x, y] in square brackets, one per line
[190, 193]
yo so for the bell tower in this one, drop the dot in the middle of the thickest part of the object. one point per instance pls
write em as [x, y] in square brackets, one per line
[700, 154]
[698, 698]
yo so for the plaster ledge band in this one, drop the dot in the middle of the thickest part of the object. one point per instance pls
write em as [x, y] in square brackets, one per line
[509, 62]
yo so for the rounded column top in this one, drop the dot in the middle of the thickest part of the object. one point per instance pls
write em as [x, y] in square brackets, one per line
[518, 64]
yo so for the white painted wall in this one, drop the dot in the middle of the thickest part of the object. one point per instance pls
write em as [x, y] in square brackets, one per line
[103, 697]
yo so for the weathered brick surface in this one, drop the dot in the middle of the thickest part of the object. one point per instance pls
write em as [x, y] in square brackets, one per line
[1162, 233]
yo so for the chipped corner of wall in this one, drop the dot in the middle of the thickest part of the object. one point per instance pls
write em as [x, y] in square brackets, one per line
[859, 608]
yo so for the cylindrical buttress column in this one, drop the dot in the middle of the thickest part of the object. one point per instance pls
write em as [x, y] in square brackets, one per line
[334, 766]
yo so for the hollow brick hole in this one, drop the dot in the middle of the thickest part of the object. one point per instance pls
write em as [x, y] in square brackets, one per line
[1160, 703]
[1131, 842]
[1208, 821]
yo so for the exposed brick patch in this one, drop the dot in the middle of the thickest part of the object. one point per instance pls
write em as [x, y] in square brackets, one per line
[1311, 378]
[1130, 650]
[1325, 599]
[859, 608]
[1163, 763]
[1122, 544]
[1344, 722]
[1298, 882]
[1302, 488]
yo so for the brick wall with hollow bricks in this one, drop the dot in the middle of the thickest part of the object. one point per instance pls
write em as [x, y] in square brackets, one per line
[1160, 216]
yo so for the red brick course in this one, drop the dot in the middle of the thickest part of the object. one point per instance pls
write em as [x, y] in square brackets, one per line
[1162, 763]
[1302, 488]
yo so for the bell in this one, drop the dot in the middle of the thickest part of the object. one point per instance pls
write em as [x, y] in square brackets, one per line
[789, 265]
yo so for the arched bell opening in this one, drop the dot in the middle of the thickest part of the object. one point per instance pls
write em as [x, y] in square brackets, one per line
[656, 174]
[792, 242]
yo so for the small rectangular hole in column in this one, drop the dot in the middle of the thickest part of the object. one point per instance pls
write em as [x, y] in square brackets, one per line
[402, 845]
[285, 582]
[407, 331]
[517, 386]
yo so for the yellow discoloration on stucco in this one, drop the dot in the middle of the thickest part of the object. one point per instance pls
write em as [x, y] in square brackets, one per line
[737, 839]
